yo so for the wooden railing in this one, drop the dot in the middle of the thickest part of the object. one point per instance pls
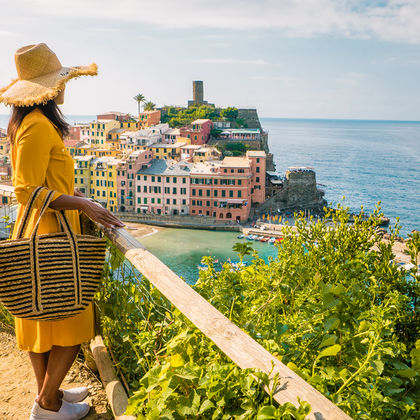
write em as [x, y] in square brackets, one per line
[229, 338]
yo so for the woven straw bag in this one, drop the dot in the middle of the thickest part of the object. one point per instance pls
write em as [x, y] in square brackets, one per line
[50, 276]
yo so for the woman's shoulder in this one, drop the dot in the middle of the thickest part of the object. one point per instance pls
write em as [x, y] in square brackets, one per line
[36, 122]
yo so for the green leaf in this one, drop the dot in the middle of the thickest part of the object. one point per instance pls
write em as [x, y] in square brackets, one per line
[267, 412]
[415, 358]
[378, 365]
[177, 360]
[206, 405]
[329, 351]
[281, 329]
[328, 340]
[331, 323]
[407, 373]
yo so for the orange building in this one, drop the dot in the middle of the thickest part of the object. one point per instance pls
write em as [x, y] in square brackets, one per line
[148, 118]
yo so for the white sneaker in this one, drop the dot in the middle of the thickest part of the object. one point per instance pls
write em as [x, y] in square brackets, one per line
[68, 411]
[75, 395]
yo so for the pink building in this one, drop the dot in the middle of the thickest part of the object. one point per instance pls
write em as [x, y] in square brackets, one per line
[198, 131]
[126, 179]
[163, 188]
[222, 189]
[227, 189]
[258, 160]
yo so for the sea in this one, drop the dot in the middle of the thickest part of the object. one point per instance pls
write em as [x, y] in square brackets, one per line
[357, 163]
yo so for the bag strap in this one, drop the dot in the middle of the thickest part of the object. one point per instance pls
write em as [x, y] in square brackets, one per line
[28, 211]
[72, 239]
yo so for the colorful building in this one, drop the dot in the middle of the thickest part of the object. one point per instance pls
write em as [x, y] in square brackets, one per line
[99, 131]
[198, 131]
[126, 178]
[149, 118]
[82, 173]
[103, 181]
[163, 188]
[168, 151]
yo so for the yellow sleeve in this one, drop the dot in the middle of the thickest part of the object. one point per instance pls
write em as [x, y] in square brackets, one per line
[34, 142]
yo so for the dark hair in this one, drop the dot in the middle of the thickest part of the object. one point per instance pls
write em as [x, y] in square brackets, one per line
[50, 110]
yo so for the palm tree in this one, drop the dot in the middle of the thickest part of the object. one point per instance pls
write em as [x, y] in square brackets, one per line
[139, 98]
[149, 106]
[242, 249]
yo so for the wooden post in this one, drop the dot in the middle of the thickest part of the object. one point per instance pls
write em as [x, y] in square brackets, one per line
[234, 342]
[115, 392]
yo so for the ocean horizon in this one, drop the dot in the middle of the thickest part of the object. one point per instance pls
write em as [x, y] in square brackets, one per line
[365, 161]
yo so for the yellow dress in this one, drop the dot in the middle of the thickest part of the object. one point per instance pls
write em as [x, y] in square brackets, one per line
[39, 157]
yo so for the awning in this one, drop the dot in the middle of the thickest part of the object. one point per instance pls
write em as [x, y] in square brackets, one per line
[144, 207]
[235, 201]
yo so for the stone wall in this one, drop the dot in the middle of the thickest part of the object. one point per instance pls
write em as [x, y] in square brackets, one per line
[299, 192]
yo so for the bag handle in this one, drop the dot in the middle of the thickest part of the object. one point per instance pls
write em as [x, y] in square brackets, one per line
[62, 219]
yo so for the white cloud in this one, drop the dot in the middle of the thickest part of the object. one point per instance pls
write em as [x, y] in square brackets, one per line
[257, 62]
[391, 20]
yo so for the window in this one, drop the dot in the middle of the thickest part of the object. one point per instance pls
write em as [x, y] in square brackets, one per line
[257, 179]
[110, 174]
[258, 160]
[158, 200]
[174, 201]
[215, 193]
[223, 193]
[168, 201]
[193, 191]
[200, 193]
[184, 180]
[145, 189]
[231, 193]
[159, 178]
[138, 188]
[239, 194]
[239, 181]
[167, 179]
[174, 180]
[208, 203]
[153, 178]
[145, 178]
[208, 193]
[231, 171]
[258, 169]
[215, 182]
[193, 202]
[153, 201]
[145, 200]
[184, 202]
[174, 190]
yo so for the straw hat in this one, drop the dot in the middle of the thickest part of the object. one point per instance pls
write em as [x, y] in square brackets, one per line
[40, 76]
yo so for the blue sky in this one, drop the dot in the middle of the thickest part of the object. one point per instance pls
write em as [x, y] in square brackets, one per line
[288, 58]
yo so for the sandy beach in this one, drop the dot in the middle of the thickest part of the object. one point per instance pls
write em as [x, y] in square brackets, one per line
[141, 230]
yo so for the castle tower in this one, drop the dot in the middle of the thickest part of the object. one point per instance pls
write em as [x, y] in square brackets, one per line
[198, 91]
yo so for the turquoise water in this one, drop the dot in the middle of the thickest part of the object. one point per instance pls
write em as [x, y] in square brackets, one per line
[182, 249]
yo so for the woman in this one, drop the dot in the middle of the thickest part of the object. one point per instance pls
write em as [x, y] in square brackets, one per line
[36, 130]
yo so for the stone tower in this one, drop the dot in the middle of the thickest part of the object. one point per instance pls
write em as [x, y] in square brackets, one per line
[198, 91]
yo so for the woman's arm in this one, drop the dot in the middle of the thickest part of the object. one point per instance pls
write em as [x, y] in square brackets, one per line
[94, 211]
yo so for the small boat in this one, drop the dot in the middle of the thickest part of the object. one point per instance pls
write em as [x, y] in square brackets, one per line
[250, 237]
[241, 236]
[279, 239]
[272, 240]
[265, 239]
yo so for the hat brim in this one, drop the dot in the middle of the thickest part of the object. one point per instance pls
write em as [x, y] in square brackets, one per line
[44, 88]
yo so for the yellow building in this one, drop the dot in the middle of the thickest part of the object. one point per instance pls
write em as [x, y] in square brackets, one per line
[167, 151]
[99, 131]
[82, 169]
[103, 181]
[4, 145]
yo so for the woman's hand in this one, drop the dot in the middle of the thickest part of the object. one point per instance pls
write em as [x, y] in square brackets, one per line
[78, 193]
[101, 215]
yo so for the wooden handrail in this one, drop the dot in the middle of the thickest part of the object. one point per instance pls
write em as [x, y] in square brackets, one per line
[235, 343]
